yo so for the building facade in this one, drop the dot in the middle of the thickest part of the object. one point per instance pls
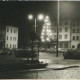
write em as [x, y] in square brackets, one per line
[68, 33]
[75, 34]
[63, 34]
[10, 37]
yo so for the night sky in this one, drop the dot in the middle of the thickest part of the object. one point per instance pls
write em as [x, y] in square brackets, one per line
[15, 13]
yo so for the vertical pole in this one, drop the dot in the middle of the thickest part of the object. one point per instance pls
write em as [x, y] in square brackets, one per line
[35, 25]
[36, 38]
[32, 50]
[57, 30]
[38, 52]
[4, 42]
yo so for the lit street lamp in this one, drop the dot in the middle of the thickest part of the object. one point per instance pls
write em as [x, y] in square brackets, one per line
[39, 17]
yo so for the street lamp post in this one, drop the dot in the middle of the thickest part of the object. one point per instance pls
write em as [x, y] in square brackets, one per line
[35, 25]
[40, 17]
[57, 30]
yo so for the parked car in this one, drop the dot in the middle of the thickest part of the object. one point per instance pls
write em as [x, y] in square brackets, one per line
[62, 50]
[42, 49]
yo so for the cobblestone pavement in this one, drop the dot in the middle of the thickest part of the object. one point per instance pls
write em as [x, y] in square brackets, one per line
[60, 74]
[70, 73]
[53, 62]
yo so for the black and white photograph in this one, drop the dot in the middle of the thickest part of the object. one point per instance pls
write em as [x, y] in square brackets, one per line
[39, 39]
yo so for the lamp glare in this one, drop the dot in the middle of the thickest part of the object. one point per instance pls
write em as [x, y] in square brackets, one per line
[30, 17]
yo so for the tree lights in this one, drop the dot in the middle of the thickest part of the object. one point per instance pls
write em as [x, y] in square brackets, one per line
[46, 33]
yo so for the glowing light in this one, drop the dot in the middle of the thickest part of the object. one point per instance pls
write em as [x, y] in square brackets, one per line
[40, 16]
[47, 27]
[43, 40]
[30, 16]
[46, 31]
[49, 31]
[50, 34]
[47, 39]
[42, 33]
[49, 24]
[47, 17]
[42, 37]
[44, 27]
[43, 30]
[45, 20]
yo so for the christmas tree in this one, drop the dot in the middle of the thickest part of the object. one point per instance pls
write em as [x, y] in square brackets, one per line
[46, 33]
